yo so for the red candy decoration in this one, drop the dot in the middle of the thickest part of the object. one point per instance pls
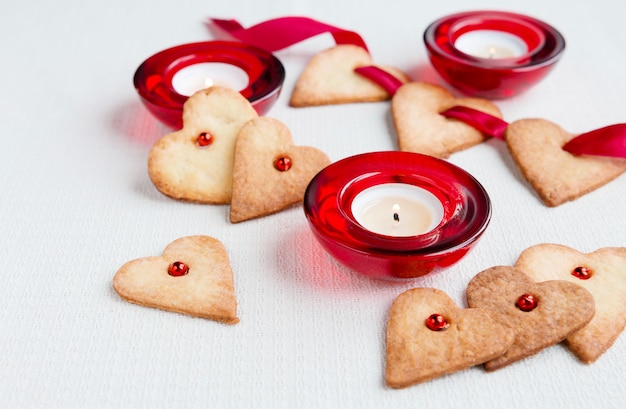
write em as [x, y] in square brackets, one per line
[526, 302]
[437, 322]
[177, 269]
[582, 273]
[283, 163]
[204, 139]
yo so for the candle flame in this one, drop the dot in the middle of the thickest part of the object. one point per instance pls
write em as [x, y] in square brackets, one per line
[208, 83]
[492, 52]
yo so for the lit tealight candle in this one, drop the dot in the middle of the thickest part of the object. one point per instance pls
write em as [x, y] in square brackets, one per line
[397, 209]
[199, 76]
[493, 44]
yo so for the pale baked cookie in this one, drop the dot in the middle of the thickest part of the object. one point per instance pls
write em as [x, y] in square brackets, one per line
[429, 336]
[195, 163]
[555, 174]
[540, 314]
[270, 173]
[193, 276]
[603, 273]
[329, 78]
[420, 128]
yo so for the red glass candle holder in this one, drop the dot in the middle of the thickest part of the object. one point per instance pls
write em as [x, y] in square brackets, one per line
[328, 207]
[493, 78]
[153, 78]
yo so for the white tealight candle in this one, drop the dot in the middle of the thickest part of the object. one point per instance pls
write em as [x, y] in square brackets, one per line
[491, 44]
[199, 76]
[397, 209]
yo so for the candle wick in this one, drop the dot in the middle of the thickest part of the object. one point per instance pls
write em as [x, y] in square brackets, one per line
[396, 212]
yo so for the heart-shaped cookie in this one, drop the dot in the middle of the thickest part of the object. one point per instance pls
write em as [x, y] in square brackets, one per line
[603, 273]
[556, 175]
[193, 276]
[196, 162]
[270, 173]
[329, 78]
[420, 128]
[541, 314]
[428, 335]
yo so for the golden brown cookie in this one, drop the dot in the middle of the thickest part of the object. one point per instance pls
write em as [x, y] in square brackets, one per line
[270, 173]
[540, 314]
[429, 336]
[416, 115]
[329, 78]
[602, 273]
[556, 175]
[196, 162]
[193, 276]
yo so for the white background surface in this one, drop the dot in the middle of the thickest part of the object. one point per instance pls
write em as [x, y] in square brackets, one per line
[77, 203]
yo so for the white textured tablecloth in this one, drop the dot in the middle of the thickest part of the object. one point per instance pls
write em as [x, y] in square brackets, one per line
[77, 203]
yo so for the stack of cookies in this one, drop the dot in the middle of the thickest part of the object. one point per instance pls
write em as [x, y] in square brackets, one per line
[225, 153]
[552, 294]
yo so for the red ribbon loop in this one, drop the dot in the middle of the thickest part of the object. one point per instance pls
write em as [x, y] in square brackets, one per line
[381, 77]
[485, 123]
[279, 33]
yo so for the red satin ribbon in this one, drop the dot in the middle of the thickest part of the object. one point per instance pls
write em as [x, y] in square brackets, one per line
[485, 123]
[381, 77]
[276, 34]
[279, 33]
[608, 141]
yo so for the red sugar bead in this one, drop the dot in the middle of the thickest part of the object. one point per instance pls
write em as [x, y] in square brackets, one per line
[177, 269]
[581, 272]
[526, 302]
[283, 163]
[437, 322]
[204, 139]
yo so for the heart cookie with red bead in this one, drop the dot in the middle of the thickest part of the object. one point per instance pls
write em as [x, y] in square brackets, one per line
[420, 128]
[270, 173]
[555, 174]
[602, 273]
[540, 314]
[193, 276]
[428, 336]
[195, 163]
[329, 78]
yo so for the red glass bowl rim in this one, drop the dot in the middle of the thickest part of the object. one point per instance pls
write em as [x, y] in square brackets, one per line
[266, 72]
[467, 211]
[532, 35]
[546, 44]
